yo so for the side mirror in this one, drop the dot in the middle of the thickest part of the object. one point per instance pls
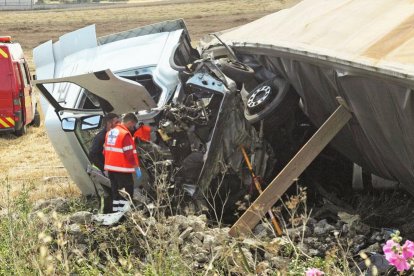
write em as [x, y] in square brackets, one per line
[33, 77]
[91, 122]
[68, 124]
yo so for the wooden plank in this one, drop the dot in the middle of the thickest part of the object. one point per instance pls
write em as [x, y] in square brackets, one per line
[292, 171]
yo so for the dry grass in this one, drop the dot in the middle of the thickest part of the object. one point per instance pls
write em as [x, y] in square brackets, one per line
[31, 28]
[31, 160]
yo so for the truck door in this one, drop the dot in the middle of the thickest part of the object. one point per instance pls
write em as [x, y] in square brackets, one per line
[26, 93]
[6, 95]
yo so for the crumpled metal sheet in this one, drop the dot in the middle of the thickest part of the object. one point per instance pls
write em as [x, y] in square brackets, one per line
[231, 131]
[166, 26]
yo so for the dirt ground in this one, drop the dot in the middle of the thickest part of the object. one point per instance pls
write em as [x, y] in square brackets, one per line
[30, 161]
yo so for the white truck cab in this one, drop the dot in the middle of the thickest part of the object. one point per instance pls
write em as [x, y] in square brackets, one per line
[81, 74]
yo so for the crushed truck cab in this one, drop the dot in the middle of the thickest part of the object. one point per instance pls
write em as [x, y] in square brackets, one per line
[17, 102]
[265, 86]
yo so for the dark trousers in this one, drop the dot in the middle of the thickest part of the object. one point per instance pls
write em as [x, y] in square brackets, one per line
[121, 181]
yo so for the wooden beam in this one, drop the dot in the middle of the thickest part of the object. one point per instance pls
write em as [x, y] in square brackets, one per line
[291, 171]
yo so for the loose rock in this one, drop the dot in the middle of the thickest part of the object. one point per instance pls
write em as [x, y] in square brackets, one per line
[82, 217]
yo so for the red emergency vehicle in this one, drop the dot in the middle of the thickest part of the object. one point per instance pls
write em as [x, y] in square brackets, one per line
[17, 102]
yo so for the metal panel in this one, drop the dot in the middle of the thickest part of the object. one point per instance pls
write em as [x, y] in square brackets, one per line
[78, 40]
[124, 95]
[167, 26]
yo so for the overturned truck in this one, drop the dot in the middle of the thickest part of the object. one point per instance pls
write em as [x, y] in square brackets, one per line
[265, 87]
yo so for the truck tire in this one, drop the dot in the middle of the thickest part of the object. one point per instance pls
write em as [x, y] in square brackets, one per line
[21, 131]
[271, 100]
[36, 119]
[236, 70]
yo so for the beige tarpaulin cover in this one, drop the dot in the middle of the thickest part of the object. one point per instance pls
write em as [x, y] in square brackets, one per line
[360, 50]
[376, 33]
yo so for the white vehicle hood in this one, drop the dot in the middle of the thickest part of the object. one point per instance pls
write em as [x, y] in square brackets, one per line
[77, 58]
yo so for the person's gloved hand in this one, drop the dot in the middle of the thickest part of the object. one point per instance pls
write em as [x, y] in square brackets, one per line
[138, 172]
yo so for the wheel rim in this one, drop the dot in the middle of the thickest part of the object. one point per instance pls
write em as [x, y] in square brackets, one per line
[259, 96]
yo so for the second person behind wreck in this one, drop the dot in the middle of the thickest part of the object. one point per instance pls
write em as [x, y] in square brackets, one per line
[96, 150]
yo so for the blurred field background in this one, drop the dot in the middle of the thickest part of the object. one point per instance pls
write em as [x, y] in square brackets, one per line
[30, 161]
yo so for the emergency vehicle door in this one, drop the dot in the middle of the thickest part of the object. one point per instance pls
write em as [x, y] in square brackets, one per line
[25, 92]
[6, 98]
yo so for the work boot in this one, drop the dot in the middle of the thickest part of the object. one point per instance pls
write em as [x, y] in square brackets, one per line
[108, 219]
[116, 204]
[124, 206]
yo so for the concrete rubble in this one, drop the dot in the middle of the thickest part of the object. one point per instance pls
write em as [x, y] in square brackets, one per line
[200, 243]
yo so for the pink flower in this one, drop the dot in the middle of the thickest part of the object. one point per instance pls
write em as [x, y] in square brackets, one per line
[398, 261]
[391, 248]
[408, 249]
[314, 272]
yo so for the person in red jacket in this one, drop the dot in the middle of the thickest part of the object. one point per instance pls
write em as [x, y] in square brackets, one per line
[121, 161]
[143, 133]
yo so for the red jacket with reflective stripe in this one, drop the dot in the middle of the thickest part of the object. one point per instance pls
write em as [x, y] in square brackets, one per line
[143, 133]
[119, 151]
